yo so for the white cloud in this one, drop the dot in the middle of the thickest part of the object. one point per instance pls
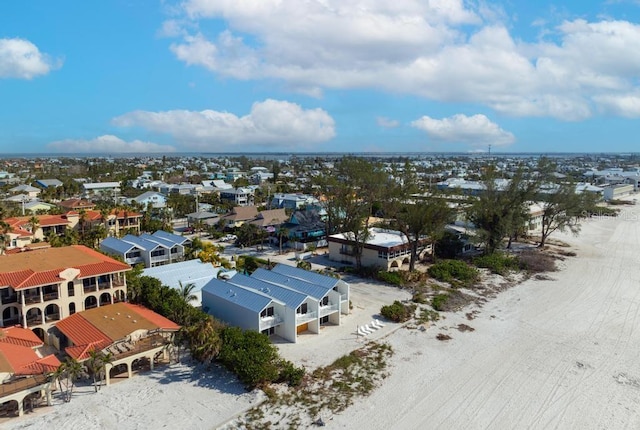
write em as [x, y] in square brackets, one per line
[444, 50]
[107, 144]
[21, 59]
[475, 130]
[271, 123]
[386, 122]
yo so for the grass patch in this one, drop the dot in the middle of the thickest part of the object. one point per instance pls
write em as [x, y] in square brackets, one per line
[456, 272]
[398, 311]
[327, 390]
[498, 263]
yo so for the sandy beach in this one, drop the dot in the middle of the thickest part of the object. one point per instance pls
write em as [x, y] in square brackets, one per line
[553, 354]
[557, 353]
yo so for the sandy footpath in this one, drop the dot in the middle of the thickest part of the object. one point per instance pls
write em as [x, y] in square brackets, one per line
[554, 354]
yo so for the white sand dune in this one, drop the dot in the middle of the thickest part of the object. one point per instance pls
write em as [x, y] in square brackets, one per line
[556, 354]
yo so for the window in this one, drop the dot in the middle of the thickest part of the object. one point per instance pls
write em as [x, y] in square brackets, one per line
[72, 308]
[325, 301]
[269, 331]
[324, 319]
[268, 312]
[70, 290]
[302, 309]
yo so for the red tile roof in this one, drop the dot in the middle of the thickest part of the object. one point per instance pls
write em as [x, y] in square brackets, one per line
[43, 266]
[20, 336]
[46, 364]
[22, 360]
[99, 327]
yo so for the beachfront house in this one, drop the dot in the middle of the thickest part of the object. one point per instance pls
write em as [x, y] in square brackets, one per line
[386, 249]
[135, 336]
[284, 301]
[40, 287]
[24, 370]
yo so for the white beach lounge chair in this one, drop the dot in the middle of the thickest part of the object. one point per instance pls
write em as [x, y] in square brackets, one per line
[362, 332]
[379, 323]
[373, 325]
[369, 329]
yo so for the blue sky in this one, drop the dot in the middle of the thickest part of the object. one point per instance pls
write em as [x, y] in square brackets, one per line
[320, 75]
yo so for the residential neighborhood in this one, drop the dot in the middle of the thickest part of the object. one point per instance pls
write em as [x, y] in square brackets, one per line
[111, 262]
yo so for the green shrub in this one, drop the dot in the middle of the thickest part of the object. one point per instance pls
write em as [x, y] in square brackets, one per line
[427, 315]
[452, 271]
[290, 374]
[398, 311]
[497, 263]
[438, 302]
[394, 278]
[250, 355]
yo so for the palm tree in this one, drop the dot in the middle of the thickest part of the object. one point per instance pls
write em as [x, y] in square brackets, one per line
[204, 339]
[94, 366]
[69, 370]
[34, 221]
[186, 292]
[282, 232]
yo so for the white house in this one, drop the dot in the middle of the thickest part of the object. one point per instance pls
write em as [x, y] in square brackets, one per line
[284, 301]
[156, 200]
[387, 249]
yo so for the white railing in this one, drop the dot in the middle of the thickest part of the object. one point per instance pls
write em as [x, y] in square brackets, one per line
[326, 310]
[268, 322]
[344, 297]
[303, 318]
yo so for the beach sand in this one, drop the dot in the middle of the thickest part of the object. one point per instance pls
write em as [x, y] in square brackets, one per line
[557, 353]
[547, 354]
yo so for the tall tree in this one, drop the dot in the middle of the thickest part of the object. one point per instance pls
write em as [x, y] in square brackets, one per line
[496, 211]
[352, 190]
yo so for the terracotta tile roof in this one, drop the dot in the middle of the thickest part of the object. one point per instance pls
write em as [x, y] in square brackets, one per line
[99, 327]
[44, 365]
[20, 336]
[17, 356]
[125, 214]
[81, 352]
[43, 266]
[80, 331]
[76, 204]
[43, 221]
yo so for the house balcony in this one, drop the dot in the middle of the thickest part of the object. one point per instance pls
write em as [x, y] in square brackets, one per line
[89, 288]
[12, 298]
[104, 285]
[304, 318]
[118, 282]
[159, 259]
[329, 309]
[268, 322]
[50, 296]
[28, 300]
[344, 297]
